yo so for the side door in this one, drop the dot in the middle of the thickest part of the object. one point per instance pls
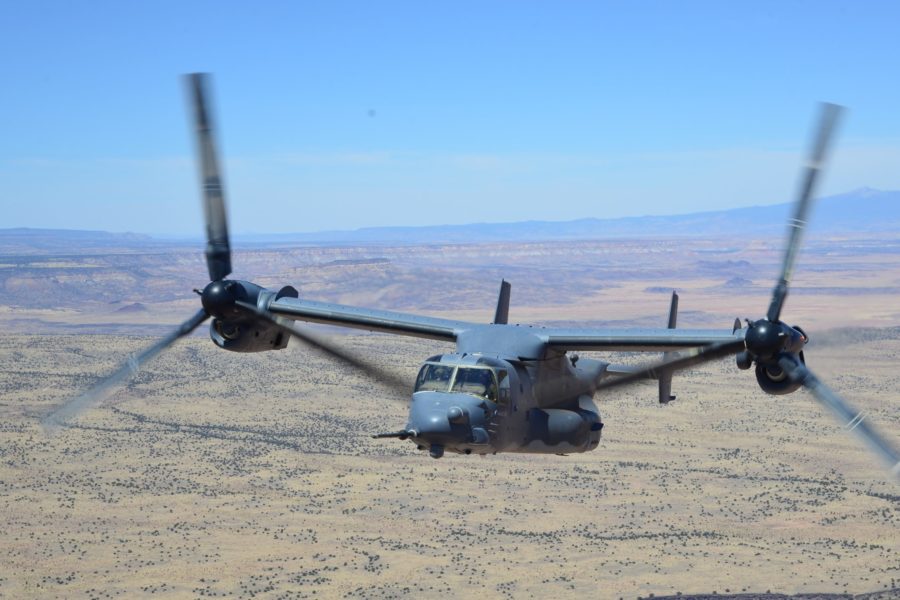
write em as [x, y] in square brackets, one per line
[506, 422]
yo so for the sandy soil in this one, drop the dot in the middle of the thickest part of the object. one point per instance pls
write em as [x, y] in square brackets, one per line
[221, 475]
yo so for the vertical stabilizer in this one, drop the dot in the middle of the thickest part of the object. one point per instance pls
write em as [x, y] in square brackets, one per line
[673, 310]
[501, 315]
[665, 378]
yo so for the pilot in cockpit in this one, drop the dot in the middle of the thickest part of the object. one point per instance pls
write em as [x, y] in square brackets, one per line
[478, 382]
[441, 375]
[434, 377]
[487, 380]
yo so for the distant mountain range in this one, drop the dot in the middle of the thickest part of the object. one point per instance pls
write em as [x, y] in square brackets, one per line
[865, 210]
[860, 211]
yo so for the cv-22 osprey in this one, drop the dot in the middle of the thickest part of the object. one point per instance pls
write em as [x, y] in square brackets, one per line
[507, 387]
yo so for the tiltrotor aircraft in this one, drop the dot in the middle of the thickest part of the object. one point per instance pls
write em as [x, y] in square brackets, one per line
[506, 388]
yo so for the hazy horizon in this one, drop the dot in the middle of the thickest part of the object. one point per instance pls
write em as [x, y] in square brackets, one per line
[199, 234]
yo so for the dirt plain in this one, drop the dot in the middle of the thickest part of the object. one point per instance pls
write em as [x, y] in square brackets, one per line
[221, 475]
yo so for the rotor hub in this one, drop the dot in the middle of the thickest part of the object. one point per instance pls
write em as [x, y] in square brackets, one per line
[765, 339]
[219, 298]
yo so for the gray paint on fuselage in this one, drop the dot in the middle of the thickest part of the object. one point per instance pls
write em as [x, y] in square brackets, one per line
[554, 415]
[508, 341]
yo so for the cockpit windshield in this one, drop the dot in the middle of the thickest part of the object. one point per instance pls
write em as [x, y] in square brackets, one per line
[477, 381]
[434, 378]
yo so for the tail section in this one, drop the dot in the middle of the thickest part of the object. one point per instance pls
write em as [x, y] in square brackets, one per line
[501, 315]
[665, 378]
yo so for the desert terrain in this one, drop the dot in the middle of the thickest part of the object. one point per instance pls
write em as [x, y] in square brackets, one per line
[220, 475]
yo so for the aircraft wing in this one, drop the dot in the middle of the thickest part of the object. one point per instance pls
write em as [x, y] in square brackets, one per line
[368, 318]
[636, 340]
[628, 340]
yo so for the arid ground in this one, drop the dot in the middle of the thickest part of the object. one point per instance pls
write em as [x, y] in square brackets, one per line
[220, 475]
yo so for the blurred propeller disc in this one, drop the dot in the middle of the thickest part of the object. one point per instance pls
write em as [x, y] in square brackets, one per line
[687, 358]
[305, 336]
[827, 121]
[218, 248]
[852, 419]
[218, 259]
[764, 337]
[97, 394]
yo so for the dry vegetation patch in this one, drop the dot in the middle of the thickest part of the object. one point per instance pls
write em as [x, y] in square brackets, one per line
[214, 474]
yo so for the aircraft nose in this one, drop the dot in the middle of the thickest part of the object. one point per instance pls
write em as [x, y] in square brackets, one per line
[432, 414]
[442, 419]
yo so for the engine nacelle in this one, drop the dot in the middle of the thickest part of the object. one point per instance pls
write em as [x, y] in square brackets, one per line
[236, 329]
[562, 431]
[247, 336]
[773, 380]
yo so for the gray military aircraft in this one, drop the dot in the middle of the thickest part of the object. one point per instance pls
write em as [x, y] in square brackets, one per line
[506, 388]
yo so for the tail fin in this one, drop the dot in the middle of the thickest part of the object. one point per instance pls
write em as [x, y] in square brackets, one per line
[665, 378]
[501, 315]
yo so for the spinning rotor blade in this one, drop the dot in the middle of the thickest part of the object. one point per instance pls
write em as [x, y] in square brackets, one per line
[396, 384]
[827, 121]
[72, 408]
[852, 419]
[689, 358]
[218, 249]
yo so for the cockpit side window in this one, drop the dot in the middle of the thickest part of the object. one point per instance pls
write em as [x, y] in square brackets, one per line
[503, 376]
[479, 382]
[434, 378]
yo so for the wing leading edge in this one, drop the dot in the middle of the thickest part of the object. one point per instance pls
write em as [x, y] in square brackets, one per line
[635, 340]
[610, 340]
[369, 319]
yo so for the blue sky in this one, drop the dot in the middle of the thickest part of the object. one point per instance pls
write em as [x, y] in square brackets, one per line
[337, 115]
